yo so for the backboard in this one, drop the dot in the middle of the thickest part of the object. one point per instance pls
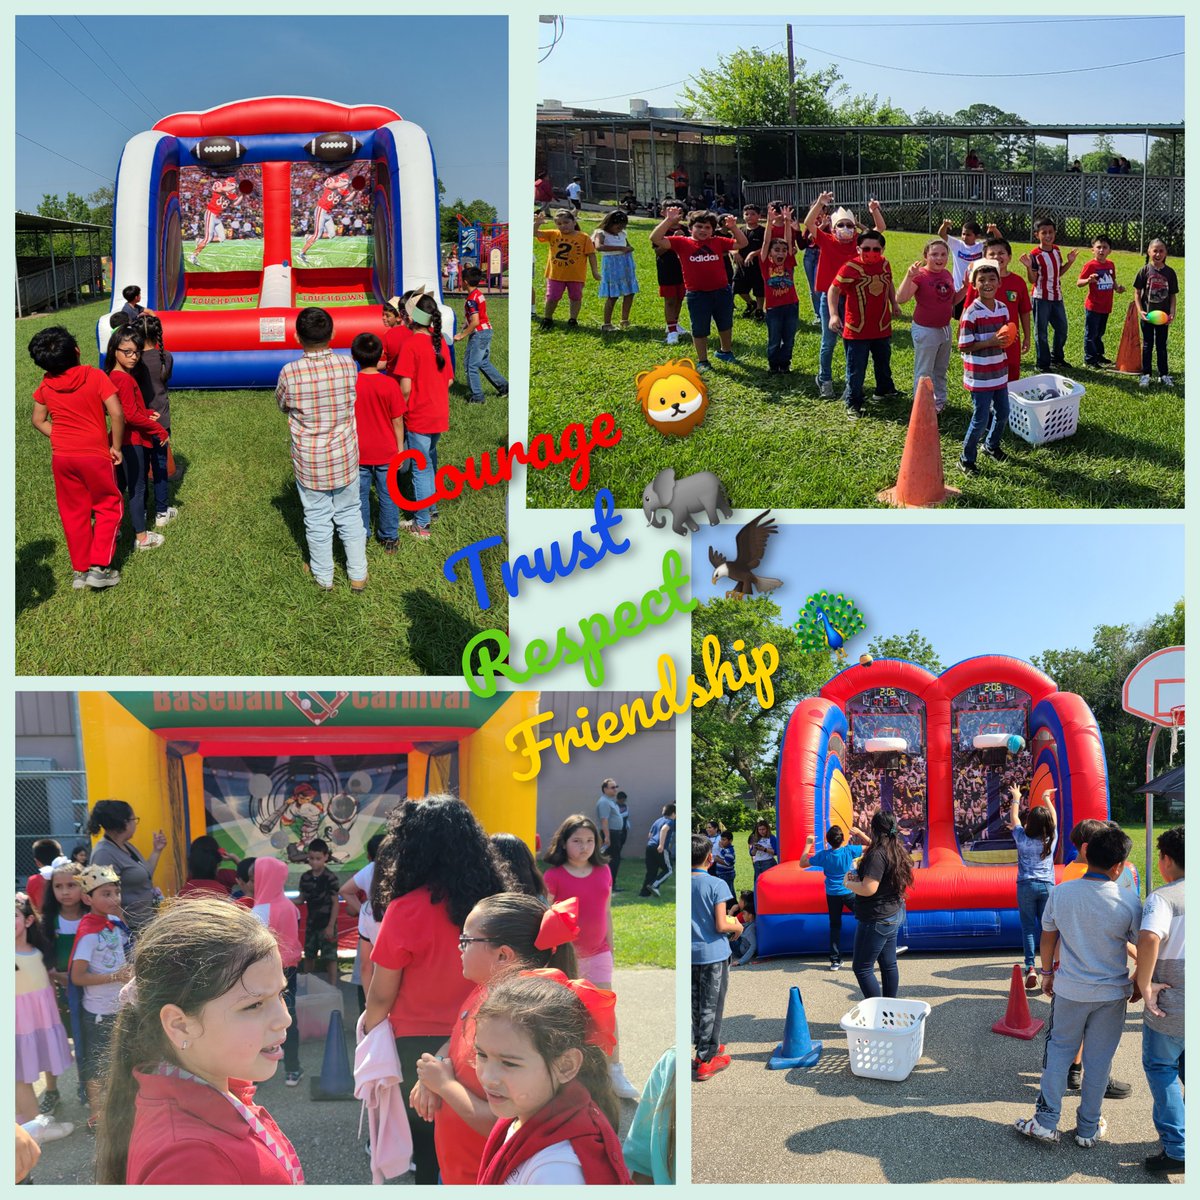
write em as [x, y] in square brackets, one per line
[1154, 688]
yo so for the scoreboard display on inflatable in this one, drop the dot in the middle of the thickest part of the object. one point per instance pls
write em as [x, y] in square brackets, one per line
[233, 219]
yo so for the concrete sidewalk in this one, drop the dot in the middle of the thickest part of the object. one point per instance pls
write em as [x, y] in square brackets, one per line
[950, 1121]
[325, 1134]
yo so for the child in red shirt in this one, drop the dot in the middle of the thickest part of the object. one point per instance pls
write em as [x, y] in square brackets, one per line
[1099, 276]
[69, 407]
[425, 373]
[379, 419]
[866, 283]
[777, 263]
[202, 1020]
[503, 933]
[397, 332]
[141, 428]
[479, 343]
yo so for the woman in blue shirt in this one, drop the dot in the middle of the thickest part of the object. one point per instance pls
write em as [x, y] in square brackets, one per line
[1036, 837]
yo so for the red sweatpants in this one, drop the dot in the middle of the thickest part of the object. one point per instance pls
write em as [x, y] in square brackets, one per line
[90, 507]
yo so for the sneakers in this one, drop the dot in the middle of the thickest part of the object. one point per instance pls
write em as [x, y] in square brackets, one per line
[653, 889]
[621, 1085]
[706, 1070]
[49, 1102]
[1032, 983]
[547, 322]
[151, 542]
[479, 399]
[325, 587]
[1162, 1164]
[835, 966]
[703, 365]
[358, 586]
[892, 395]
[1086, 1143]
[419, 533]
[1166, 381]
[608, 327]
[1144, 381]
[165, 518]
[79, 580]
[967, 468]
[572, 322]
[996, 455]
[390, 545]
[824, 388]
[853, 412]
[292, 1079]
[1031, 1129]
[1074, 1077]
[45, 1128]
[1116, 1090]
[672, 337]
[304, 258]
[103, 577]
[725, 356]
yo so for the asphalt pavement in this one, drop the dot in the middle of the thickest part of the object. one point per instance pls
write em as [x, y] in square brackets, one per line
[325, 1133]
[950, 1121]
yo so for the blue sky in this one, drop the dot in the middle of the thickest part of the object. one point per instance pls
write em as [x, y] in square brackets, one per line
[970, 589]
[186, 64]
[602, 61]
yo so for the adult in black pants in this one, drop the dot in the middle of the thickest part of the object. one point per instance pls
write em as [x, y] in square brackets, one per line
[656, 847]
[884, 874]
[612, 818]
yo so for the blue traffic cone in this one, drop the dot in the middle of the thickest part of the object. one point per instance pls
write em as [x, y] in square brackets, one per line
[797, 1048]
[336, 1081]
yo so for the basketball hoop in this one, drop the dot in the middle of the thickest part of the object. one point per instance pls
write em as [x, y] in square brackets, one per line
[1177, 715]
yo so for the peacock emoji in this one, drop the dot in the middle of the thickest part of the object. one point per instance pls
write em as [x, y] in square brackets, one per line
[827, 622]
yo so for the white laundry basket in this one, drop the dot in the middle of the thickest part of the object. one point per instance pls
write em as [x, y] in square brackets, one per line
[1045, 420]
[885, 1037]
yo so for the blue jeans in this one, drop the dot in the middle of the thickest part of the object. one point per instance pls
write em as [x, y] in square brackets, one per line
[135, 460]
[875, 941]
[479, 362]
[857, 351]
[1032, 895]
[994, 402]
[1097, 1025]
[1094, 325]
[158, 470]
[325, 511]
[829, 339]
[424, 482]
[1162, 1060]
[811, 254]
[1052, 314]
[782, 324]
[388, 526]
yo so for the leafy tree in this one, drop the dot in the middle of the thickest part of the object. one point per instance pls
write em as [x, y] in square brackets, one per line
[101, 201]
[879, 153]
[1159, 160]
[1100, 157]
[912, 647]
[476, 210]
[735, 742]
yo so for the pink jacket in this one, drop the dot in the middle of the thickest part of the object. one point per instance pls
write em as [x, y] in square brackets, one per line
[377, 1082]
[275, 910]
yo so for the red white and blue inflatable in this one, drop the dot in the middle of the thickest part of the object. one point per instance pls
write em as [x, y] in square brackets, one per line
[939, 752]
[215, 210]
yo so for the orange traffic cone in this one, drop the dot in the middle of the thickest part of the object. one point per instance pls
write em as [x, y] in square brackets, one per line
[1017, 1021]
[1129, 352]
[921, 482]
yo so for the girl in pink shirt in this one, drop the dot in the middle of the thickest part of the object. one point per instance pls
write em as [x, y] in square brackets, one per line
[577, 868]
[933, 285]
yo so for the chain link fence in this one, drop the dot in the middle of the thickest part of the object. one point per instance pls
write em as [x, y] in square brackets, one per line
[51, 804]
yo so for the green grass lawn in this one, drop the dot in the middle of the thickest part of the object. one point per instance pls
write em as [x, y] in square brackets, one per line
[226, 594]
[643, 926]
[774, 443]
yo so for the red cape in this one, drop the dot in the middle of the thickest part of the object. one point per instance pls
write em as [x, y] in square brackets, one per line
[572, 1116]
[92, 923]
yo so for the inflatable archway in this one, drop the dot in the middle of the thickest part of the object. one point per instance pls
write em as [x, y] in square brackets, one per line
[264, 772]
[940, 753]
[233, 219]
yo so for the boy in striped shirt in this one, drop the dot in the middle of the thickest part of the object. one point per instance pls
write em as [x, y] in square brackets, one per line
[983, 345]
[1044, 265]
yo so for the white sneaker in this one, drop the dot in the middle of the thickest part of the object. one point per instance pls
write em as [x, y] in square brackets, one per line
[152, 542]
[164, 518]
[672, 337]
[621, 1085]
[46, 1129]
[1144, 382]
[1166, 381]
[1031, 1129]
[1087, 1143]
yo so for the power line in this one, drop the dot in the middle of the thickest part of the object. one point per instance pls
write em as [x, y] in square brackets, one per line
[740, 24]
[75, 86]
[103, 70]
[57, 154]
[121, 71]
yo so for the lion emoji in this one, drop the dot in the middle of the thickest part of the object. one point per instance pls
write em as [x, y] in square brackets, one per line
[673, 397]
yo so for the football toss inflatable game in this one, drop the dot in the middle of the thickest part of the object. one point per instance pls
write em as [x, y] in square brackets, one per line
[233, 219]
[940, 753]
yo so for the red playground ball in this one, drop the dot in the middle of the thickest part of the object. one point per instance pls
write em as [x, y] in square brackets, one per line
[1156, 318]
[358, 182]
[245, 186]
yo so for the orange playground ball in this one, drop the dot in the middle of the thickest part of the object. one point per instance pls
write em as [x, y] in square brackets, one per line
[1007, 335]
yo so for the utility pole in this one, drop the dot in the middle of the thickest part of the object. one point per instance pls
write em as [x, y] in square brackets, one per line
[792, 100]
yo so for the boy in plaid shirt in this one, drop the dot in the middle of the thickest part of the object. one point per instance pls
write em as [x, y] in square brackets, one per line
[317, 393]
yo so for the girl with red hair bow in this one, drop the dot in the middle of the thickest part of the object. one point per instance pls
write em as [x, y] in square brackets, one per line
[503, 933]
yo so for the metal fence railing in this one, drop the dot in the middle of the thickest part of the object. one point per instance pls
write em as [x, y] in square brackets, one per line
[52, 804]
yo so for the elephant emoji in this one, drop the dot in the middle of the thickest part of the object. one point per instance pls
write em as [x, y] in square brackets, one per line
[694, 493]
